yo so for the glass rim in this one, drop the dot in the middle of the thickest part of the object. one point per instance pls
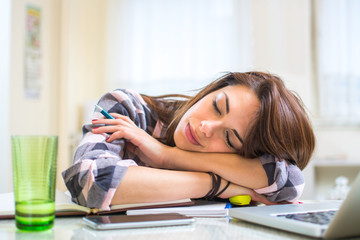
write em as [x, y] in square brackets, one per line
[19, 136]
[33, 135]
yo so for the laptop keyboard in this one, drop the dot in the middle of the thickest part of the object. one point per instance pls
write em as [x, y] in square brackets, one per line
[321, 217]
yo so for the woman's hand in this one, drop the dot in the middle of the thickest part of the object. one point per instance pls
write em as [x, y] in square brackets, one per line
[234, 190]
[150, 150]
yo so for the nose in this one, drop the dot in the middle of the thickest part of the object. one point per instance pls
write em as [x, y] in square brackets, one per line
[209, 127]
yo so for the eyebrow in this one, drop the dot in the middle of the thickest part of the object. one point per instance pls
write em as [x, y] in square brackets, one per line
[227, 102]
[227, 111]
[238, 136]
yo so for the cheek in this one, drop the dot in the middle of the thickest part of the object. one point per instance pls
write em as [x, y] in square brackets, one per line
[219, 146]
[179, 135]
[181, 141]
[176, 136]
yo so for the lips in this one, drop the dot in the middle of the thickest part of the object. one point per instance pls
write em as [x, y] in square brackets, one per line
[190, 135]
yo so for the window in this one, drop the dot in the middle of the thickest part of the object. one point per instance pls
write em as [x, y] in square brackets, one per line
[163, 46]
[338, 59]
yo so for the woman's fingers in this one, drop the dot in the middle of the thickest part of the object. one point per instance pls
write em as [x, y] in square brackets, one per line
[261, 198]
[119, 116]
[117, 121]
[127, 131]
[116, 132]
[123, 134]
[234, 190]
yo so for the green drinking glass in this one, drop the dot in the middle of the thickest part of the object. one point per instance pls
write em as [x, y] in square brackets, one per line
[34, 173]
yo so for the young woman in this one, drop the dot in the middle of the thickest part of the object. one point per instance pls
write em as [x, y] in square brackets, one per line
[244, 133]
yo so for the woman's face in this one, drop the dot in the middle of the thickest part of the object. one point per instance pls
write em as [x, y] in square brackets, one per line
[218, 122]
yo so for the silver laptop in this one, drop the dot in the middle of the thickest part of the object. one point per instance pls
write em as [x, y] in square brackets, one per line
[328, 219]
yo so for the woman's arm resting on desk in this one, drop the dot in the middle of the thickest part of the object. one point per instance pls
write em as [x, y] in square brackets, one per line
[143, 184]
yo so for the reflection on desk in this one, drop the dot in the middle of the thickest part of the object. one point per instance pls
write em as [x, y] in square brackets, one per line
[203, 228]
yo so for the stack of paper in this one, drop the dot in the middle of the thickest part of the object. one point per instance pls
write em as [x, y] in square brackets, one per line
[201, 208]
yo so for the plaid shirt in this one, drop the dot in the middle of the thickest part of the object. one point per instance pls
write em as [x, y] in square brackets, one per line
[99, 166]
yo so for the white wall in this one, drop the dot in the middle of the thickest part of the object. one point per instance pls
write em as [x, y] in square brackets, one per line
[5, 16]
[40, 115]
[83, 76]
[282, 43]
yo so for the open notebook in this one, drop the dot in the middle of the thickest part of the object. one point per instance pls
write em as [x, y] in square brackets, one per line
[326, 219]
[65, 207]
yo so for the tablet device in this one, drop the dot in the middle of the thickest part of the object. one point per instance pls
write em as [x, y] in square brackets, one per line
[136, 221]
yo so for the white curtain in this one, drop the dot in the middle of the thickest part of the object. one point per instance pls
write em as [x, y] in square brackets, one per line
[338, 42]
[171, 46]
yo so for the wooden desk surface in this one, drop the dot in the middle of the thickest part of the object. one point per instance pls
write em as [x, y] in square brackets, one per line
[204, 228]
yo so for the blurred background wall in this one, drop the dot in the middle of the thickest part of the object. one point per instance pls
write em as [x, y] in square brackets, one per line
[158, 46]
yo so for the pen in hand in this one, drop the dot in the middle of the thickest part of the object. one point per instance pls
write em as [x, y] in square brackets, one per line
[103, 112]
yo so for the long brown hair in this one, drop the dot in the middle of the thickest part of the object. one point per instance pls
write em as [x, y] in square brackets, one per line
[281, 127]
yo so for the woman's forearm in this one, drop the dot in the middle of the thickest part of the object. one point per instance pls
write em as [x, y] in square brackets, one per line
[144, 184]
[232, 167]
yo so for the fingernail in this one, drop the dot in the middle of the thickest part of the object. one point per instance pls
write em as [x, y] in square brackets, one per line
[107, 139]
[95, 128]
[94, 120]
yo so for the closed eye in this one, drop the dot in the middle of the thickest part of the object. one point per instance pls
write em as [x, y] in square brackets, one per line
[227, 138]
[216, 107]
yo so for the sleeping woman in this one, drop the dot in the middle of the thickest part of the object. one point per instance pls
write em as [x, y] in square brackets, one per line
[244, 133]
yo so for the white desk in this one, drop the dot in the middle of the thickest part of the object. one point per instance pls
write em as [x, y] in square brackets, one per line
[203, 228]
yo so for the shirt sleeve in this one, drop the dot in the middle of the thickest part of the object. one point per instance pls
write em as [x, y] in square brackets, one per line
[98, 165]
[285, 180]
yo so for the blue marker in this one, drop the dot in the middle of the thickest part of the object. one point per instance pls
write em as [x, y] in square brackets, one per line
[103, 112]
